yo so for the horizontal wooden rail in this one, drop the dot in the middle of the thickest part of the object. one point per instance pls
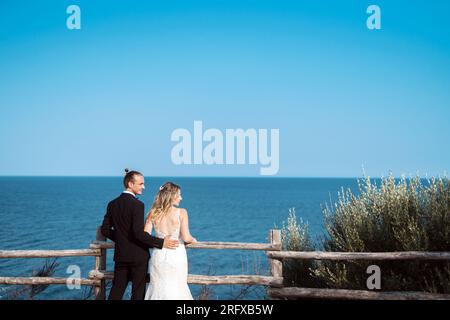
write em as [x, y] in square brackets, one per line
[101, 245]
[47, 280]
[323, 255]
[232, 245]
[204, 245]
[209, 280]
[236, 279]
[48, 253]
[294, 292]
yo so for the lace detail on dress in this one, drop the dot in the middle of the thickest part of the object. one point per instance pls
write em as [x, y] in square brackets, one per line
[174, 234]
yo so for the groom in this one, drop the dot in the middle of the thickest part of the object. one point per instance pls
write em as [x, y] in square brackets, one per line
[124, 224]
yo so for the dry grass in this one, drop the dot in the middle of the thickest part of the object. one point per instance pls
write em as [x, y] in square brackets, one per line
[24, 292]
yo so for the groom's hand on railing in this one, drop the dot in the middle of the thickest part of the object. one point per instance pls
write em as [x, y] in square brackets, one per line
[170, 243]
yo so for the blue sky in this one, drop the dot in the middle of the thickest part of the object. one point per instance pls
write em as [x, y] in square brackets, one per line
[96, 100]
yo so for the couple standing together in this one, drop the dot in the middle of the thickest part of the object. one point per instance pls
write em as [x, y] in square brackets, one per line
[124, 224]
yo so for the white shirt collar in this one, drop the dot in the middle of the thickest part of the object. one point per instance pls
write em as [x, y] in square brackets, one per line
[126, 191]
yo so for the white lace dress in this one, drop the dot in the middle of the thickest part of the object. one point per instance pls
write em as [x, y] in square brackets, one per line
[168, 269]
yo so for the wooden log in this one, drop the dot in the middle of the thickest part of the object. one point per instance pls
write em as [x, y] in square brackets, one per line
[232, 245]
[100, 264]
[101, 245]
[276, 266]
[101, 274]
[7, 254]
[236, 279]
[323, 255]
[293, 292]
[207, 280]
[204, 245]
[46, 280]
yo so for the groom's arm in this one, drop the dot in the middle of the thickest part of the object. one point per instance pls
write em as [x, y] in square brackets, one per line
[138, 229]
[106, 227]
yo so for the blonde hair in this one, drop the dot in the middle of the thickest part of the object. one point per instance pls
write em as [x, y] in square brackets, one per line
[162, 202]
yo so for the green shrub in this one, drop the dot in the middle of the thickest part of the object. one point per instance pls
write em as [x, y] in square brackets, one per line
[398, 215]
[295, 237]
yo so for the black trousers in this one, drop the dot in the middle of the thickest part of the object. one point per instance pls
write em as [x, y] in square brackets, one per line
[125, 272]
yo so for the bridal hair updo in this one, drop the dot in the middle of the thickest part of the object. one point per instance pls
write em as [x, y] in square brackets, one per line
[129, 176]
[163, 201]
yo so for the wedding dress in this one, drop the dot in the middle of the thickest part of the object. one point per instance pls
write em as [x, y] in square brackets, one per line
[168, 269]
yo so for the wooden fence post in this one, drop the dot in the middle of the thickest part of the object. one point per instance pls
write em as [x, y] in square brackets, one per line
[276, 266]
[100, 264]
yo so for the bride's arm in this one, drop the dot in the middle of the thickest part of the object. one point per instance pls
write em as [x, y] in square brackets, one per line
[185, 234]
[148, 226]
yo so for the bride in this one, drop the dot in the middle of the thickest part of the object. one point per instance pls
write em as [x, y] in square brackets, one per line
[168, 268]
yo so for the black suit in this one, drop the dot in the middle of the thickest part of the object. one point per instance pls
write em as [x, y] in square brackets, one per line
[124, 224]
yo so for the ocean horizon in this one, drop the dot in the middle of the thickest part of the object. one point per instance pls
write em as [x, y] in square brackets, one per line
[64, 213]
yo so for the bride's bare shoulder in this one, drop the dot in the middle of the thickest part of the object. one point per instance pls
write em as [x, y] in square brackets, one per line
[183, 212]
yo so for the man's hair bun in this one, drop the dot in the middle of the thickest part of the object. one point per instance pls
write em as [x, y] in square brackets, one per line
[129, 176]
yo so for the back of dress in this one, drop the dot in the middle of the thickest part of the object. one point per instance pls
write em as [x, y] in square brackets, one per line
[165, 227]
[168, 268]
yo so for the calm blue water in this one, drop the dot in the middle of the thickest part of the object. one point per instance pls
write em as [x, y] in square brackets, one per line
[64, 212]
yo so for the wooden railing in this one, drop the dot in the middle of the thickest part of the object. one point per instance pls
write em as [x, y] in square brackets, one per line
[9, 254]
[298, 293]
[99, 275]
[274, 280]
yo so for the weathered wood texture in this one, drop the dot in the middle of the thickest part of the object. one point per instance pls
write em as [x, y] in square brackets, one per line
[9, 254]
[323, 255]
[205, 245]
[47, 280]
[208, 280]
[296, 293]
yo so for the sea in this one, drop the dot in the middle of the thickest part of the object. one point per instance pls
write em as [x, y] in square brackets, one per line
[64, 213]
